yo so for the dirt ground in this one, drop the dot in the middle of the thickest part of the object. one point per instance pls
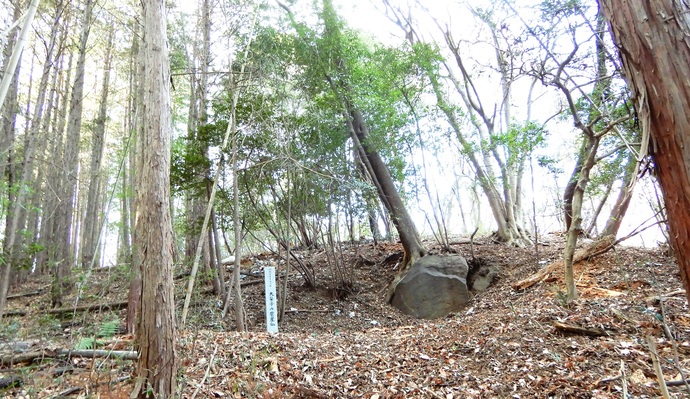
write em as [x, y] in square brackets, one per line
[342, 341]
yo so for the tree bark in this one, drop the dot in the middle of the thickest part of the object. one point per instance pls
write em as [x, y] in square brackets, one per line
[655, 48]
[157, 367]
[575, 228]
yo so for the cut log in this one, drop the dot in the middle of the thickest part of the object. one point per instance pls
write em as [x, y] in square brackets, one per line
[26, 294]
[88, 308]
[587, 252]
[99, 353]
[8, 360]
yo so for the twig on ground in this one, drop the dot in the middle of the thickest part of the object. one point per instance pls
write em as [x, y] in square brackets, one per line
[307, 311]
[624, 380]
[571, 328]
[657, 367]
[11, 381]
[208, 369]
[669, 334]
[654, 299]
[72, 390]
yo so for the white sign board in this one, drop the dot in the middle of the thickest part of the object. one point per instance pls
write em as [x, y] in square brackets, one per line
[271, 299]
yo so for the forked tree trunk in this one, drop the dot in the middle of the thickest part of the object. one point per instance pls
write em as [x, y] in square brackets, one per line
[575, 228]
[655, 49]
[157, 367]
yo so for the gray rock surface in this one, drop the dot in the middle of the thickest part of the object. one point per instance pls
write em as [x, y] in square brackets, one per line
[434, 287]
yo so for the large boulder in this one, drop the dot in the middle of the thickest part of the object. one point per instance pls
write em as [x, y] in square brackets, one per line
[434, 287]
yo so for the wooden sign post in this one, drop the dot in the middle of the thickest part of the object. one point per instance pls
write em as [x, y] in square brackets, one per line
[271, 299]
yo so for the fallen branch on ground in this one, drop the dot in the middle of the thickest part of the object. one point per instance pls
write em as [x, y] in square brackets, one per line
[571, 328]
[657, 367]
[9, 360]
[655, 299]
[87, 308]
[27, 294]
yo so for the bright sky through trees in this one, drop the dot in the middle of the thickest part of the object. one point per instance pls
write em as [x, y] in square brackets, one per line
[369, 18]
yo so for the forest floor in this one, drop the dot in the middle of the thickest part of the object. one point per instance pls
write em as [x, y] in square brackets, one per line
[336, 344]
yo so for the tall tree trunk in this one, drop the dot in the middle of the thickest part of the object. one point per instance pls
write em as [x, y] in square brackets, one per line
[240, 321]
[124, 250]
[374, 164]
[157, 366]
[198, 117]
[136, 155]
[10, 109]
[593, 134]
[54, 147]
[655, 49]
[575, 228]
[91, 225]
[26, 180]
[66, 221]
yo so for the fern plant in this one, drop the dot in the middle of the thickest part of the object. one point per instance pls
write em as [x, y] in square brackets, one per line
[107, 330]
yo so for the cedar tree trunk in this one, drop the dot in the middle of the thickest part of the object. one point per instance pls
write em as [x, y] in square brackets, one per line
[157, 369]
[655, 50]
